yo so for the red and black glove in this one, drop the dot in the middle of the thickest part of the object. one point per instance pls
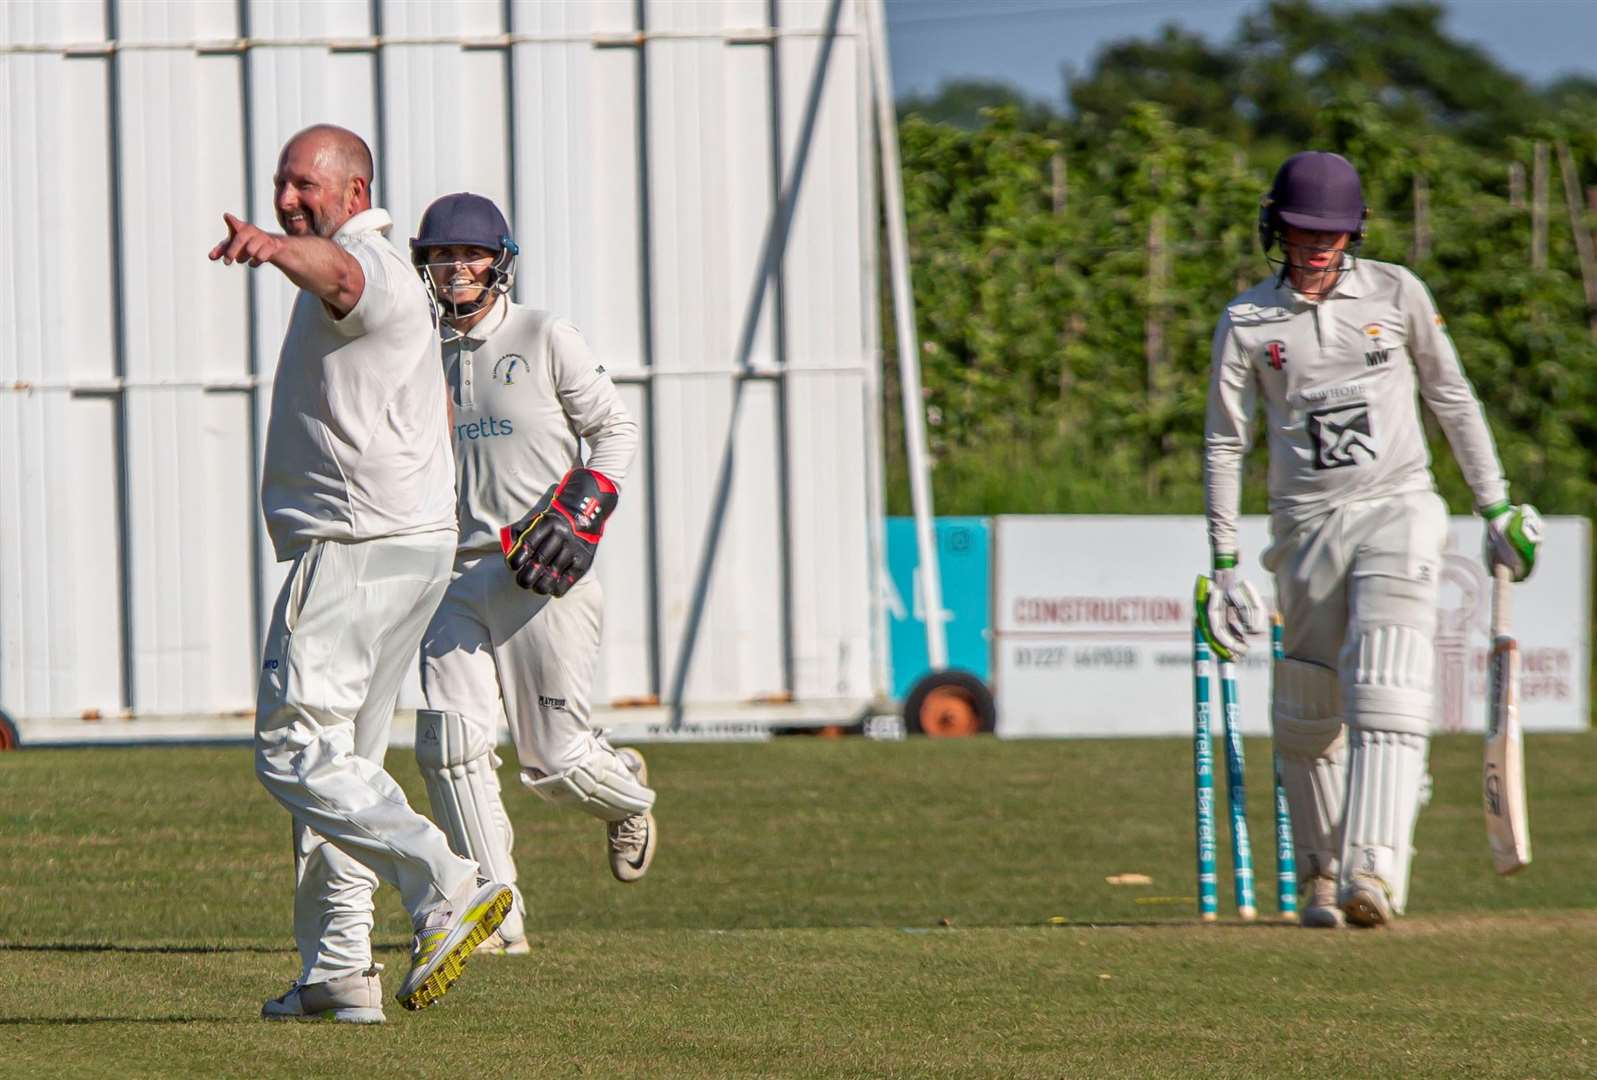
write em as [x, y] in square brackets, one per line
[553, 544]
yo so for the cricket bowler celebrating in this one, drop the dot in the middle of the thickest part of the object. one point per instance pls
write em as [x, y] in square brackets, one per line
[527, 393]
[358, 490]
[1337, 348]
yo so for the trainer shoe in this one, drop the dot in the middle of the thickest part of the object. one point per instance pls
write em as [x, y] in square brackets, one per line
[1319, 910]
[496, 945]
[1366, 903]
[632, 838]
[446, 938]
[511, 937]
[352, 999]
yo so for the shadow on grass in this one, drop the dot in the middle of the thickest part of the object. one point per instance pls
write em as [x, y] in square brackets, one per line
[102, 947]
[52, 1021]
[404, 948]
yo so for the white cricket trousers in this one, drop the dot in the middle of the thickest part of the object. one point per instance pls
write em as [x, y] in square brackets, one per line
[345, 627]
[492, 641]
[1354, 571]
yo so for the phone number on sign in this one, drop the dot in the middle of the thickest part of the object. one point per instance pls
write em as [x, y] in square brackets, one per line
[1060, 656]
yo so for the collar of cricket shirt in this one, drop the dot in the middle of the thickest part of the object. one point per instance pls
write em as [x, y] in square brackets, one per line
[374, 220]
[1350, 285]
[492, 321]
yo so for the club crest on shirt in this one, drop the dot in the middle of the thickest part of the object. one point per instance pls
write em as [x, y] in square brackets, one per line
[1275, 354]
[506, 366]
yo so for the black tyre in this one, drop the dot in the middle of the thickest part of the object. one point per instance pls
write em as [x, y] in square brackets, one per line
[950, 704]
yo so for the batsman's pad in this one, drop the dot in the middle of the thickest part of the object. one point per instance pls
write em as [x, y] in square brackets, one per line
[1392, 685]
[1311, 753]
[554, 543]
[601, 784]
[1386, 770]
[457, 763]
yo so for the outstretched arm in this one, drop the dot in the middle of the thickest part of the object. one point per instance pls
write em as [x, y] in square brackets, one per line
[318, 266]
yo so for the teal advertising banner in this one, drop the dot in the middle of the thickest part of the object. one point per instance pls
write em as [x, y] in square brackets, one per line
[964, 554]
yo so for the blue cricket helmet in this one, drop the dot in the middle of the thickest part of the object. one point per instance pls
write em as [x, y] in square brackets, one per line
[463, 218]
[469, 220]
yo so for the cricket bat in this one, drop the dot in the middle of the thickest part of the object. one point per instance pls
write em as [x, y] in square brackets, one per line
[1507, 822]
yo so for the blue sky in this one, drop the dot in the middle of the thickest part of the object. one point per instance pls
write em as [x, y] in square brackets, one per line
[1025, 42]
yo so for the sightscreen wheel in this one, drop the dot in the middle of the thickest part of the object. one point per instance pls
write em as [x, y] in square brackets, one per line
[949, 705]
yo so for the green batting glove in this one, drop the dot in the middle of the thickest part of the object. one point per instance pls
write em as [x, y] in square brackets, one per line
[1513, 533]
[1228, 610]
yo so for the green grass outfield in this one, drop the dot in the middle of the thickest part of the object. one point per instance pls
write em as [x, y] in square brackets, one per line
[817, 908]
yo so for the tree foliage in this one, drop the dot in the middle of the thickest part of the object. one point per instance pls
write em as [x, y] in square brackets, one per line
[1293, 58]
[1037, 286]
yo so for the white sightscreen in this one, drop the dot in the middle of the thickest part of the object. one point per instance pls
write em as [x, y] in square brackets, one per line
[643, 151]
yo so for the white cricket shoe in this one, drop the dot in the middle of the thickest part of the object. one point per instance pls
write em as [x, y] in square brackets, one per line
[352, 999]
[511, 937]
[632, 839]
[447, 937]
[496, 945]
[1320, 911]
[1366, 903]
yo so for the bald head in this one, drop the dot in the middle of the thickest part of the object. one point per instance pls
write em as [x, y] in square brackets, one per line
[324, 178]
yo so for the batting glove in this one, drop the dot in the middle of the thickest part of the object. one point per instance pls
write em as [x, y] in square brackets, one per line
[1513, 535]
[1229, 609]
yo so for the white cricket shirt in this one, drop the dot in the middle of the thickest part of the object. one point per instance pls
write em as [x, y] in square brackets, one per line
[528, 393]
[1341, 381]
[358, 442]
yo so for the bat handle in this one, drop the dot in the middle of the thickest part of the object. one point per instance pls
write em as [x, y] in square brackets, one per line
[1502, 601]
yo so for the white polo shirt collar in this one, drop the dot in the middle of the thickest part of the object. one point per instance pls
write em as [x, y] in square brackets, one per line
[1350, 284]
[486, 327]
[375, 219]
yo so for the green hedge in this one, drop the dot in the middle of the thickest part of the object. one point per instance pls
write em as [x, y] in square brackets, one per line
[1033, 318]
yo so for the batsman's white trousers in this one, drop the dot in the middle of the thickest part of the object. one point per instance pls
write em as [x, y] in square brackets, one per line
[493, 641]
[1357, 591]
[346, 624]
[1350, 573]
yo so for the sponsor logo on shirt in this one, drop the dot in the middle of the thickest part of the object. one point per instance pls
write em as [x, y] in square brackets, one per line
[490, 427]
[1377, 357]
[552, 703]
[506, 366]
[1275, 354]
[1340, 434]
[1332, 393]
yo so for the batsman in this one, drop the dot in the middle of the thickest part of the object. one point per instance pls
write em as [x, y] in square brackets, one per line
[1341, 350]
[518, 627]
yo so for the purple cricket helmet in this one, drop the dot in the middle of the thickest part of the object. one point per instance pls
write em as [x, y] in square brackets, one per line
[1314, 190]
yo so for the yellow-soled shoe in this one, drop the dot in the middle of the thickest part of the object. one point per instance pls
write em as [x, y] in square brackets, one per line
[446, 940]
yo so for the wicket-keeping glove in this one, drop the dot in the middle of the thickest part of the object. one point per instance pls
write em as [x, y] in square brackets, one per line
[553, 544]
[1513, 534]
[1229, 609]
